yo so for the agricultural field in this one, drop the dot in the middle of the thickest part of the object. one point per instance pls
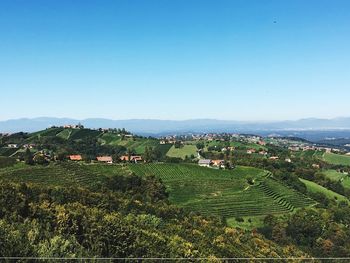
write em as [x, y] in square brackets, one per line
[333, 158]
[309, 154]
[338, 176]
[110, 139]
[64, 174]
[242, 192]
[183, 151]
[137, 144]
[244, 145]
[316, 188]
[65, 134]
[78, 134]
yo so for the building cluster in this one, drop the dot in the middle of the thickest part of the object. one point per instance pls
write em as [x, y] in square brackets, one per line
[303, 147]
[211, 163]
[73, 126]
[109, 159]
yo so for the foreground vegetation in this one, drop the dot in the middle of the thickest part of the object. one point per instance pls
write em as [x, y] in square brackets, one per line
[127, 216]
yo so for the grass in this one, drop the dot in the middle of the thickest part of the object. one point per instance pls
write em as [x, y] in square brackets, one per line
[338, 159]
[183, 151]
[316, 188]
[138, 144]
[224, 193]
[47, 132]
[65, 134]
[248, 145]
[110, 139]
[337, 176]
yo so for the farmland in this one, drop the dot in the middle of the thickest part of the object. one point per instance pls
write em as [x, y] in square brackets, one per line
[182, 152]
[337, 176]
[333, 158]
[136, 144]
[65, 174]
[316, 188]
[225, 193]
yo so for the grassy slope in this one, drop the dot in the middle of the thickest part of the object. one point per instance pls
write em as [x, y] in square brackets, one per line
[337, 176]
[183, 151]
[137, 144]
[336, 158]
[65, 134]
[315, 188]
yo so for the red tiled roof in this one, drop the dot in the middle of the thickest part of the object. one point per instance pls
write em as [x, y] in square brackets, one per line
[75, 157]
[104, 159]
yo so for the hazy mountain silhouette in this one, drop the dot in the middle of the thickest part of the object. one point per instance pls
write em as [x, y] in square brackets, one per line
[151, 126]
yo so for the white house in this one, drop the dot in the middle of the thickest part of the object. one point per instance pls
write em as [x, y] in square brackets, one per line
[204, 162]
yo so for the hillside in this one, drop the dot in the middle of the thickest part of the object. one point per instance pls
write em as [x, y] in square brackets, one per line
[79, 141]
[242, 192]
[79, 210]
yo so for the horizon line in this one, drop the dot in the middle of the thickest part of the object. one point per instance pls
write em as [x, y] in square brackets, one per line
[175, 120]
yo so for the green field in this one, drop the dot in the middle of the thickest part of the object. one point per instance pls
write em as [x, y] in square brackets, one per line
[225, 193]
[65, 134]
[333, 158]
[337, 176]
[183, 151]
[316, 188]
[137, 144]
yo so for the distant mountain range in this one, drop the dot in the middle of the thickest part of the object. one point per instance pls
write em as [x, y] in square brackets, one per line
[159, 127]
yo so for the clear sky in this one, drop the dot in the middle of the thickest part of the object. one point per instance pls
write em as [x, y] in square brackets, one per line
[175, 59]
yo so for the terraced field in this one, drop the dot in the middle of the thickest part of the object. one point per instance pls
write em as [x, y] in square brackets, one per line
[225, 193]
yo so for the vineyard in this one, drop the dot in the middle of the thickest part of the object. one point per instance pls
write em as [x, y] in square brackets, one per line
[64, 174]
[225, 193]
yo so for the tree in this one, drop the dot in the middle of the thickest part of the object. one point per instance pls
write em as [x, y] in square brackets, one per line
[40, 159]
[28, 157]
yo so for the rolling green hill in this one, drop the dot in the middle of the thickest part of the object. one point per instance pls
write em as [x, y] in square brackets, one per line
[336, 159]
[182, 152]
[344, 179]
[225, 193]
[316, 188]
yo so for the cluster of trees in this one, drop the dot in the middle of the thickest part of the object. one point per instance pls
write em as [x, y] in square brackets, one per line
[319, 232]
[130, 218]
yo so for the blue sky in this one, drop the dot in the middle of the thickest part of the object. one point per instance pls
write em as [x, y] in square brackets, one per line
[178, 59]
